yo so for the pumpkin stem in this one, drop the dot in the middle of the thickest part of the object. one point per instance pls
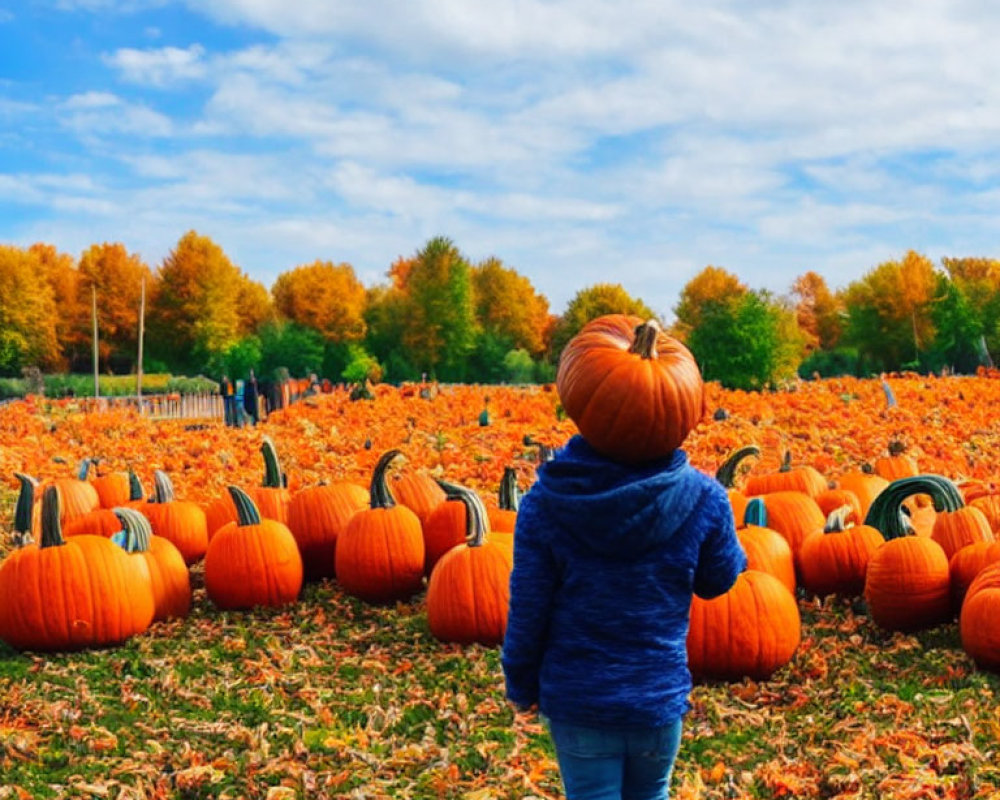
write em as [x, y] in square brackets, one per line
[136, 528]
[836, 522]
[135, 490]
[644, 344]
[83, 471]
[886, 513]
[381, 495]
[51, 524]
[726, 473]
[897, 447]
[868, 469]
[247, 512]
[786, 462]
[274, 478]
[477, 521]
[24, 506]
[756, 513]
[510, 495]
[163, 487]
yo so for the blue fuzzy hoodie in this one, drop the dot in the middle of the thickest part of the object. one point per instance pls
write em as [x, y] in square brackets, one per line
[606, 557]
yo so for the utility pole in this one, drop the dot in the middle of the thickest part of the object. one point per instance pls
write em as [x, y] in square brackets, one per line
[93, 310]
[142, 327]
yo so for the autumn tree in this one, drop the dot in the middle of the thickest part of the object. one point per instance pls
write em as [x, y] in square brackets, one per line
[890, 312]
[62, 275]
[384, 321]
[709, 287]
[978, 282]
[590, 303]
[438, 325]
[27, 313]
[818, 311]
[195, 315]
[509, 308]
[116, 275]
[323, 296]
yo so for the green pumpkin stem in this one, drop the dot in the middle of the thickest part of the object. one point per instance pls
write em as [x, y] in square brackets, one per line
[726, 473]
[477, 521]
[51, 524]
[137, 529]
[83, 471]
[756, 513]
[163, 487]
[381, 495]
[510, 495]
[274, 478]
[644, 344]
[886, 512]
[135, 490]
[247, 512]
[836, 522]
[786, 462]
[25, 504]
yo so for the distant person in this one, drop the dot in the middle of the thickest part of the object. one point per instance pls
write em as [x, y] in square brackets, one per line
[228, 393]
[251, 393]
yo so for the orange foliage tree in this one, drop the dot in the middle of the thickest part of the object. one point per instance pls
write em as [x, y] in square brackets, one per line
[27, 313]
[817, 311]
[323, 296]
[509, 308]
[593, 302]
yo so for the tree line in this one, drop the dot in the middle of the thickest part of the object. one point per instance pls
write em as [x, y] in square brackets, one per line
[439, 315]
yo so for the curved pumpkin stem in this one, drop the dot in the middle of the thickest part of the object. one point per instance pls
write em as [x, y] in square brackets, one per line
[886, 514]
[477, 521]
[644, 344]
[381, 495]
[247, 512]
[25, 504]
[756, 513]
[51, 524]
[274, 478]
[136, 528]
[510, 495]
[786, 462]
[726, 473]
[163, 487]
[135, 490]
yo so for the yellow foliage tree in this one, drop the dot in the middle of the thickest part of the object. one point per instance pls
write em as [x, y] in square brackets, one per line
[62, 275]
[818, 311]
[711, 285]
[27, 313]
[593, 302]
[323, 296]
[507, 306]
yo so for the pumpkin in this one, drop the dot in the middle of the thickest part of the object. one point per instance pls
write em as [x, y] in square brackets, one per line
[99, 522]
[76, 495]
[726, 475]
[955, 524]
[834, 499]
[380, 554]
[897, 464]
[168, 574]
[766, 549]
[446, 526]
[70, 594]
[989, 504]
[253, 561]
[317, 516]
[749, 632]
[795, 515]
[865, 485]
[907, 583]
[418, 491]
[634, 392]
[504, 516]
[979, 622]
[113, 488]
[468, 591]
[787, 479]
[835, 560]
[180, 521]
[966, 564]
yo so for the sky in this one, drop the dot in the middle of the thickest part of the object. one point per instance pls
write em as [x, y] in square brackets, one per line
[578, 141]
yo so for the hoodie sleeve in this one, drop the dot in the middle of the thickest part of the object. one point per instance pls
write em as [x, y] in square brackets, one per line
[721, 558]
[532, 586]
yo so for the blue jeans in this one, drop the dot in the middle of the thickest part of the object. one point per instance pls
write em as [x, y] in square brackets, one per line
[598, 764]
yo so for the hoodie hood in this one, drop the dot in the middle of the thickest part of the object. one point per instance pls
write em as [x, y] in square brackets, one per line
[612, 508]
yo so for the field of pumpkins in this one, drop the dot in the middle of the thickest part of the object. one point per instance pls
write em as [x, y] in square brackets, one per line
[313, 607]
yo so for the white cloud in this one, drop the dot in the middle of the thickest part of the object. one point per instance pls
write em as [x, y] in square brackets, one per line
[91, 100]
[159, 67]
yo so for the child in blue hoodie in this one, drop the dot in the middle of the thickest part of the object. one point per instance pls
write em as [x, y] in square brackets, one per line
[606, 558]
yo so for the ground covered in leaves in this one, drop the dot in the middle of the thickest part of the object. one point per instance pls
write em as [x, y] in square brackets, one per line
[332, 698]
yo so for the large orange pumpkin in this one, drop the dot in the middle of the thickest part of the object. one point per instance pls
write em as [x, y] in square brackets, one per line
[766, 549]
[750, 631]
[966, 564]
[416, 490]
[806, 479]
[380, 554]
[168, 574]
[907, 583]
[634, 392]
[181, 521]
[865, 485]
[835, 560]
[979, 622]
[317, 516]
[112, 488]
[469, 590]
[68, 595]
[253, 561]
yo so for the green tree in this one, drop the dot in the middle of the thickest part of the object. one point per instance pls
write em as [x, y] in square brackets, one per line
[297, 348]
[710, 286]
[439, 326]
[958, 330]
[746, 342]
[385, 311]
[590, 303]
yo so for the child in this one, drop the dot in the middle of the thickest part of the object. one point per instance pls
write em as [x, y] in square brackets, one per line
[606, 557]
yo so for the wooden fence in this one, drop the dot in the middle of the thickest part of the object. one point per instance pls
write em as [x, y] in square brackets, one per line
[162, 406]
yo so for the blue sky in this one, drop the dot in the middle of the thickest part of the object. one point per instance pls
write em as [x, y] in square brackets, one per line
[579, 141]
